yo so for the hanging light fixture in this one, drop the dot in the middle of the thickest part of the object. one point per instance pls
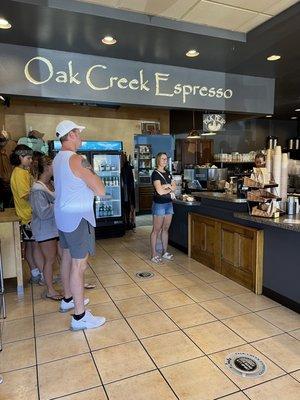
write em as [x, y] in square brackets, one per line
[194, 134]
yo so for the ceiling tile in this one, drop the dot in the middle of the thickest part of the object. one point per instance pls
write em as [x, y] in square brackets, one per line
[166, 8]
[253, 23]
[253, 5]
[218, 15]
[108, 3]
[281, 6]
[177, 8]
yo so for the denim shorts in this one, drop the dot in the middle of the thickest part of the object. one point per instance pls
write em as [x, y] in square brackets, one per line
[162, 209]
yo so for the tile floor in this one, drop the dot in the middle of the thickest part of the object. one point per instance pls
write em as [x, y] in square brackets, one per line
[166, 337]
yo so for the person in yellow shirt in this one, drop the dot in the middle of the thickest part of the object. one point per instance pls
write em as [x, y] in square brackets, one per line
[21, 182]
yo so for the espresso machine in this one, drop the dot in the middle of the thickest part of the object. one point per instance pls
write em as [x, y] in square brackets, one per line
[211, 179]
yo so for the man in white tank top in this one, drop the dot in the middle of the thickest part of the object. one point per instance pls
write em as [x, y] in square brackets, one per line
[76, 184]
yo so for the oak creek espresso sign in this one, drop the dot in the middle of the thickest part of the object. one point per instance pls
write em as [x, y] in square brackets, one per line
[108, 81]
[77, 77]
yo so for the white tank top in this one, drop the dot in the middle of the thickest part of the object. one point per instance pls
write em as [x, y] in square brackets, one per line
[73, 198]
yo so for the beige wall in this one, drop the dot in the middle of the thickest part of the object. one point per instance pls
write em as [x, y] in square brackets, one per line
[1, 117]
[101, 123]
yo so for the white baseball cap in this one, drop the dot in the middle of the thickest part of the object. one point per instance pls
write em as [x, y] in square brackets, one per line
[67, 126]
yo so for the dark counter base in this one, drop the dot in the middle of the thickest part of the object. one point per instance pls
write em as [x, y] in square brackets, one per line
[281, 299]
[105, 232]
[178, 246]
[142, 212]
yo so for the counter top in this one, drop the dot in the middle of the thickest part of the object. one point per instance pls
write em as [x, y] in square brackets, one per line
[8, 215]
[232, 198]
[187, 203]
[279, 222]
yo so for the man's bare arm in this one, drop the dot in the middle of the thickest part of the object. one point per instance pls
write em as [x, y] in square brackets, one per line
[87, 165]
[83, 170]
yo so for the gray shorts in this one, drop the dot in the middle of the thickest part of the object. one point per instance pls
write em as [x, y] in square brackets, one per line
[79, 242]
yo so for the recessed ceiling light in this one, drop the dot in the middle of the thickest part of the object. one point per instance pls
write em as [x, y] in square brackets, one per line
[269, 116]
[274, 57]
[297, 109]
[4, 24]
[294, 117]
[109, 40]
[192, 53]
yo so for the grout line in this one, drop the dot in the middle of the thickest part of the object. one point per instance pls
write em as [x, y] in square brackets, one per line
[114, 345]
[74, 393]
[35, 346]
[256, 313]
[95, 364]
[226, 395]
[17, 369]
[131, 376]
[63, 358]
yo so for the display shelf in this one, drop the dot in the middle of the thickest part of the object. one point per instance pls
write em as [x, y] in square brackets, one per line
[234, 162]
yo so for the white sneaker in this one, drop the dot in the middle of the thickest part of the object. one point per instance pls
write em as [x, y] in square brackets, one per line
[87, 322]
[64, 306]
[167, 256]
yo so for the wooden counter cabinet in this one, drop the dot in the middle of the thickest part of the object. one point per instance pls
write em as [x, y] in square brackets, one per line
[11, 247]
[145, 198]
[233, 250]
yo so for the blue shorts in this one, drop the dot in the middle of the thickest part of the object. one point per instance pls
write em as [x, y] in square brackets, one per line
[161, 209]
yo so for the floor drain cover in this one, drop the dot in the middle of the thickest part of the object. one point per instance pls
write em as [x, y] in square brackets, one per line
[245, 365]
[144, 274]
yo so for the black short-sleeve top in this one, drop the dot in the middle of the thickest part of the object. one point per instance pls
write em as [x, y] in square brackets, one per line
[164, 178]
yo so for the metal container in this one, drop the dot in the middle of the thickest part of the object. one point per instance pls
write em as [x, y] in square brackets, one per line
[212, 174]
[291, 144]
[222, 173]
[290, 206]
[189, 174]
[296, 205]
[297, 144]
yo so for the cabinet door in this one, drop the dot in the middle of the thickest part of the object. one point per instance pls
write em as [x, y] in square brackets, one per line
[204, 151]
[203, 238]
[239, 254]
[145, 198]
[188, 152]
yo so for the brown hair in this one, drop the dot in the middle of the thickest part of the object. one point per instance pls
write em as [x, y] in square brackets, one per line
[21, 150]
[43, 162]
[158, 157]
[260, 155]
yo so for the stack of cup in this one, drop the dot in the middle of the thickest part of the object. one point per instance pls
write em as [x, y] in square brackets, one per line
[284, 176]
[277, 168]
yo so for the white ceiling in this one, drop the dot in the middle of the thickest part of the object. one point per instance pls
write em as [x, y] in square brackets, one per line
[234, 15]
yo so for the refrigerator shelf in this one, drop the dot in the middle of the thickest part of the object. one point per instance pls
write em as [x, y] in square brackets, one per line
[108, 200]
[108, 173]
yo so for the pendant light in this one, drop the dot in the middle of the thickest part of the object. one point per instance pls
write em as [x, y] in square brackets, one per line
[194, 134]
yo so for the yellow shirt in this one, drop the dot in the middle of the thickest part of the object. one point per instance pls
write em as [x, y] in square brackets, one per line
[20, 183]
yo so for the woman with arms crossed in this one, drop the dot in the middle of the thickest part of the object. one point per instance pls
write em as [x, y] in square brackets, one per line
[162, 208]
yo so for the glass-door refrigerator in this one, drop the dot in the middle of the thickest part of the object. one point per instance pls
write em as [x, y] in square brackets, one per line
[105, 158]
